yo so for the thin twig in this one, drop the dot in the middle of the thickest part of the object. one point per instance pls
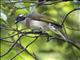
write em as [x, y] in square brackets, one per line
[72, 28]
[12, 46]
[6, 40]
[9, 36]
[25, 49]
[67, 39]
[68, 14]
[36, 2]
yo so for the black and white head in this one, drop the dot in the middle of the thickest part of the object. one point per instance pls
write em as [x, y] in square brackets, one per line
[20, 17]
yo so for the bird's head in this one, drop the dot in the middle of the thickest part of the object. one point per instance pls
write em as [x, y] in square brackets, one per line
[20, 17]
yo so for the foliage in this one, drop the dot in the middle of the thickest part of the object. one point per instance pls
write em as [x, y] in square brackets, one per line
[38, 47]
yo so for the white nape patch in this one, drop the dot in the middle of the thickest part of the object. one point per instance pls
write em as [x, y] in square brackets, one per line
[21, 15]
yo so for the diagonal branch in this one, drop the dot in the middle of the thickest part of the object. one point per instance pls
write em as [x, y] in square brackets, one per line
[12, 46]
[68, 14]
[24, 49]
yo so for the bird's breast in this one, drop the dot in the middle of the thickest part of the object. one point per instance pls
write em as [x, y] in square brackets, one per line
[37, 25]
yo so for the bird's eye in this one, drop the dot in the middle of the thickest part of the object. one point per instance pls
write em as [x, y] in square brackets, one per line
[20, 18]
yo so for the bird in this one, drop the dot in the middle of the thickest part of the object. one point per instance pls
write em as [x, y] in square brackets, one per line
[37, 22]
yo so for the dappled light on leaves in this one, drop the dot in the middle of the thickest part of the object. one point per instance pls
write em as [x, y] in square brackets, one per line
[60, 42]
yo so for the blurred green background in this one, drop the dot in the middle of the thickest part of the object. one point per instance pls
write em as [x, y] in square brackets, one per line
[52, 50]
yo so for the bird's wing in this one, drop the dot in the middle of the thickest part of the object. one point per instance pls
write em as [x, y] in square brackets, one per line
[40, 17]
[43, 18]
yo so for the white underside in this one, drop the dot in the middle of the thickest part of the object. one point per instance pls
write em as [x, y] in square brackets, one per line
[38, 25]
